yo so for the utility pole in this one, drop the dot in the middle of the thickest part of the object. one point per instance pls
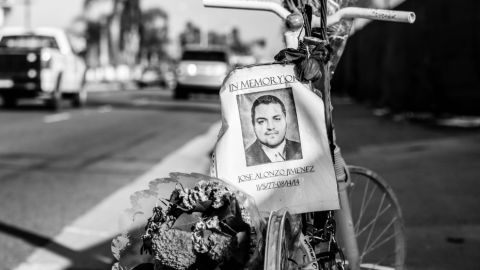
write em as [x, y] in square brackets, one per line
[28, 14]
[5, 6]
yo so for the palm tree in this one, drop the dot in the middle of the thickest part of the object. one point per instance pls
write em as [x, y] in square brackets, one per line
[130, 25]
[154, 34]
[113, 30]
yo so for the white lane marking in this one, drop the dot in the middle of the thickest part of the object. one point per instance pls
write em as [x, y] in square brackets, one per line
[105, 109]
[101, 109]
[53, 118]
[104, 221]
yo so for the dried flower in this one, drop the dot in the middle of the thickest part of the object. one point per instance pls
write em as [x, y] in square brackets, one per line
[200, 226]
[221, 247]
[174, 249]
[213, 223]
[177, 234]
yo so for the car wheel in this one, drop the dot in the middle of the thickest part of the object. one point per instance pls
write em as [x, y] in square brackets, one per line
[9, 102]
[79, 99]
[180, 93]
[55, 101]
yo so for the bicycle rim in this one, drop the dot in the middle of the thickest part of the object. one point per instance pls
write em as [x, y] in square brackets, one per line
[378, 221]
[278, 242]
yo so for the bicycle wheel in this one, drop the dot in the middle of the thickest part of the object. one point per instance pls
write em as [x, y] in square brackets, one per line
[377, 219]
[279, 241]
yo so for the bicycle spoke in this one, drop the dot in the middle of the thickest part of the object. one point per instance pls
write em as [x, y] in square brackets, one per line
[381, 243]
[374, 244]
[374, 223]
[392, 222]
[381, 261]
[361, 206]
[365, 204]
[380, 240]
[373, 220]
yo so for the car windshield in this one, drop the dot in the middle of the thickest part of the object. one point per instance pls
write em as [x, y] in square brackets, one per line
[217, 56]
[28, 41]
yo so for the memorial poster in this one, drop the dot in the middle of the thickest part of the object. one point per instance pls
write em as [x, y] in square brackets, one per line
[273, 143]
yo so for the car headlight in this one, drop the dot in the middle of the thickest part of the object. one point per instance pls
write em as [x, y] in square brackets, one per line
[31, 57]
[46, 60]
[32, 73]
[192, 69]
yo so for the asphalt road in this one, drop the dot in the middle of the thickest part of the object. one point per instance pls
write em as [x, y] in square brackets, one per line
[433, 170]
[54, 168]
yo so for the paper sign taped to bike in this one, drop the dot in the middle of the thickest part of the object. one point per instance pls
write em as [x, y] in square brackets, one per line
[273, 142]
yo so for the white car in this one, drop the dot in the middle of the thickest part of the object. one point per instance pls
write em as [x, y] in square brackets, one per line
[201, 70]
[40, 63]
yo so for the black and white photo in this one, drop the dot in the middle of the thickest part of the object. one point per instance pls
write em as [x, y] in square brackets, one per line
[269, 127]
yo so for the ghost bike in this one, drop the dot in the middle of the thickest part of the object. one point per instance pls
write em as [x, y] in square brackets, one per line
[368, 231]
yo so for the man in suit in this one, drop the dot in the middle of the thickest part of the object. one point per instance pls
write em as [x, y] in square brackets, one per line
[269, 121]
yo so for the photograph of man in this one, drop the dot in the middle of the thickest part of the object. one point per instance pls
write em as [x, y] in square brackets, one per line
[269, 120]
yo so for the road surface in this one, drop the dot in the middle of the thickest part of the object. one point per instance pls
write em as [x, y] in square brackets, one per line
[55, 169]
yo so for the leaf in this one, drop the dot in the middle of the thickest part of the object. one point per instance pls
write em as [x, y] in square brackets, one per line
[202, 206]
[231, 217]
[207, 233]
[229, 209]
[186, 221]
[175, 197]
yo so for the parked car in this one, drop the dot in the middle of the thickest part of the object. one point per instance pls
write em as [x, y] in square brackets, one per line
[161, 75]
[150, 76]
[201, 70]
[40, 63]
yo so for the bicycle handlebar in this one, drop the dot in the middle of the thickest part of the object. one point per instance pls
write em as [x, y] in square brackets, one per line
[250, 5]
[372, 14]
[344, 13]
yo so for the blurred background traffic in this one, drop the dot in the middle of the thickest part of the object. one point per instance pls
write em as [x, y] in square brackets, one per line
[132, 43]
[395, 68]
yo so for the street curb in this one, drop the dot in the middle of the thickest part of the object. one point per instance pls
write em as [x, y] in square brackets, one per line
[96, 225]
[110, 86]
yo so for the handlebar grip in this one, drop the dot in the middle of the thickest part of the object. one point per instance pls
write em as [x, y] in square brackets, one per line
[377, 14]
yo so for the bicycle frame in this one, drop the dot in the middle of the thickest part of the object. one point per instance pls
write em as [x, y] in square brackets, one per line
[291, 37]
[345, 227]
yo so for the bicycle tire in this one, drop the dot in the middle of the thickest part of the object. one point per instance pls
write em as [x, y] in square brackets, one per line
[278, 241]
[377, 219]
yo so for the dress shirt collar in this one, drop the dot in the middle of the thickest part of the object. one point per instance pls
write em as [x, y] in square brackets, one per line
[277, 153]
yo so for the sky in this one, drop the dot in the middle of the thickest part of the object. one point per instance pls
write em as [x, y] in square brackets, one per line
[252, 24]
